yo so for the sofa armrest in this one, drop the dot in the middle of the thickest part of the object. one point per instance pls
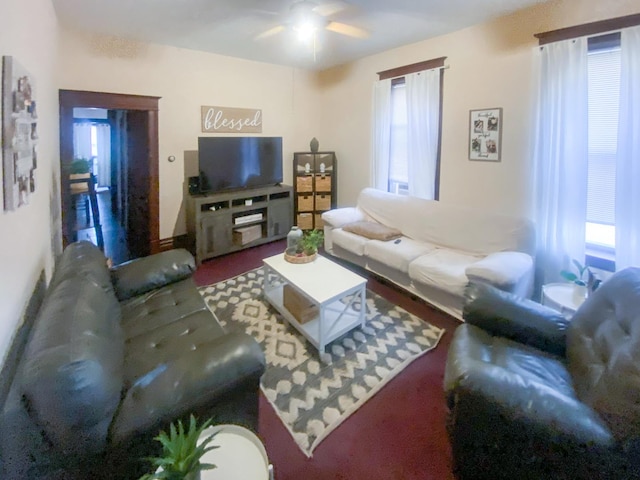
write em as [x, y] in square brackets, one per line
[507, 315]
[505, 270]
[148, 273]
[339, 217]
[198, 379]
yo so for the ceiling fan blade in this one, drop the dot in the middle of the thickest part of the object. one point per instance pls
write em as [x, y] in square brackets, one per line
[348, 30]
[328, 9]
[268, 33]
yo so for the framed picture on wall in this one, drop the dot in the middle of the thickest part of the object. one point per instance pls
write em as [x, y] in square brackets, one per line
[485, 134]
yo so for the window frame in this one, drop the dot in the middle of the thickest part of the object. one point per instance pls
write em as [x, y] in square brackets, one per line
[397, 76]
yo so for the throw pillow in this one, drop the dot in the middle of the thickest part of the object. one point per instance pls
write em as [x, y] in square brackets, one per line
[373, 230]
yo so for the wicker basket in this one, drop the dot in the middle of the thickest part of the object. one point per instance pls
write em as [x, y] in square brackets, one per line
[291, 257]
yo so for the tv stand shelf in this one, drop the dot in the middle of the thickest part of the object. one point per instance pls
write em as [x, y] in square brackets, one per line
[211, 218]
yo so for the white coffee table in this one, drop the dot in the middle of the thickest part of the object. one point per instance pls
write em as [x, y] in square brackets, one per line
[325, 283]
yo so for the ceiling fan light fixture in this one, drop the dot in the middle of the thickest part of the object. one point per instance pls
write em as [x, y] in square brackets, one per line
[305, 30]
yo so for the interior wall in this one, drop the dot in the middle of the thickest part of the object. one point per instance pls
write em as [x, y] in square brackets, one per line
[31, 233]
[185, 80]
[490, 65]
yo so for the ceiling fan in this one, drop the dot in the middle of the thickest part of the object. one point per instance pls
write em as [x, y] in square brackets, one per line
[307, 17]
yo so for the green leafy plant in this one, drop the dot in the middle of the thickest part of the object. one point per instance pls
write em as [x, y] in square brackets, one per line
[581, 278]
[310, 242]
[181, 452]
[80, 165]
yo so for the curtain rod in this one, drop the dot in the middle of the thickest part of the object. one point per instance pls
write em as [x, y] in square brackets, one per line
[443, 67]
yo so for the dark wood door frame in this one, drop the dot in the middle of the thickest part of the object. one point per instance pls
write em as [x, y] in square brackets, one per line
[70, 99]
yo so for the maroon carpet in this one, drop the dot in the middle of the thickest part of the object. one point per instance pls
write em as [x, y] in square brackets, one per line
[398, 434]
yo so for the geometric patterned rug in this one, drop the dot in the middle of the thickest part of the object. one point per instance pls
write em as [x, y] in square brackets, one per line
[313, 393]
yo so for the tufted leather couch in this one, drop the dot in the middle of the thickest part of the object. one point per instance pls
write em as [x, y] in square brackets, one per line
[113, 356]
[532, 395]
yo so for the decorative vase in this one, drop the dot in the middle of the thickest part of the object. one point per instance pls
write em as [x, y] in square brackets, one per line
[314, 145]
[579, 294]
[293, 237]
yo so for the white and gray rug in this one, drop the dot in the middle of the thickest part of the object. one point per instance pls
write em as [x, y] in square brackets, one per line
[314, 393]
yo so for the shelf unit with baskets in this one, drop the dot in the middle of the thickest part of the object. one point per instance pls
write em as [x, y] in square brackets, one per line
[315, 187]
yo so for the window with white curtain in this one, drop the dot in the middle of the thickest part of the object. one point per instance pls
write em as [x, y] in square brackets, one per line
[398, 160]
[603, 68]
[407, 109]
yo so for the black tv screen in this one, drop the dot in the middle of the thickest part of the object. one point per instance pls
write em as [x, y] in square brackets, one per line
[228, 163]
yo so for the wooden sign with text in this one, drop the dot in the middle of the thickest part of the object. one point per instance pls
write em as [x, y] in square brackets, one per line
[231, 120]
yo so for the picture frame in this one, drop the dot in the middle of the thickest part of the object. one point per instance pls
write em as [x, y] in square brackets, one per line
[19, 134]
[485, 134]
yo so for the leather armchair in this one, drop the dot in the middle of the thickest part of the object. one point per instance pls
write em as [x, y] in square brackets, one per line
[532, 395]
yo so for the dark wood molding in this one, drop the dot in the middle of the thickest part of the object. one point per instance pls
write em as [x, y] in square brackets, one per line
[586, 29]
[70, 99]
[111, 101]
[180, 241]
[413, 68]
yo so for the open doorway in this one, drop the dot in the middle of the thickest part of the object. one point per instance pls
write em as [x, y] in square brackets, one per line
[115, 137]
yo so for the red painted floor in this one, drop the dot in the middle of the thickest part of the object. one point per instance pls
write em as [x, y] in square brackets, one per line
[398, 434]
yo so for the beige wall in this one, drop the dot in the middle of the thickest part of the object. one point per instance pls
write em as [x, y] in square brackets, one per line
[491, 65]
[185, 80]
[28, 33]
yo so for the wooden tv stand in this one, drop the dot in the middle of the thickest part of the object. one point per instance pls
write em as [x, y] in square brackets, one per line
[217, 223]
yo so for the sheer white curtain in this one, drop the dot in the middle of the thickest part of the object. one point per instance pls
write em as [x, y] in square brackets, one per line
[380, 148]
[423, 112]
[82, 140]
[560, 156]
[103, 154]
[628, 158]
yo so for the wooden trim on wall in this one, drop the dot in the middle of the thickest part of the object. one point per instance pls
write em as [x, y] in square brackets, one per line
[413, 68]
[586, 29]
[180, 241]
[70, 99]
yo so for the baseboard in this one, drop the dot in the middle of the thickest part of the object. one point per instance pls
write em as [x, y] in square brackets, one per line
[20, 338]
[180, 241]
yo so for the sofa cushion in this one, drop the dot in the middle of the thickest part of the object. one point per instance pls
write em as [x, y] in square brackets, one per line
[349, 241]
[373, 230]
[443, 269]
[73, 370]
[397, 254]
[172, 303]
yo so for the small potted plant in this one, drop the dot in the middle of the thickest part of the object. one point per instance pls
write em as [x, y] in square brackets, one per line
[584, 281]
[181, 452]
[306, 249]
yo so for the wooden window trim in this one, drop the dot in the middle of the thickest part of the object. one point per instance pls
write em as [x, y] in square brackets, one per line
[413, 68]
[587, 29]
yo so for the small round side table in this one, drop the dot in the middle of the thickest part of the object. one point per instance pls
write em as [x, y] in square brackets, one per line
[564, 297]
[240, 456]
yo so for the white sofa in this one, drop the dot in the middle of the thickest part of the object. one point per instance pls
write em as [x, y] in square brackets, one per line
[441, 247]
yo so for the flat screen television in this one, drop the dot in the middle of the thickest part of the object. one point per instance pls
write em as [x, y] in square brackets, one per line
[231, 163]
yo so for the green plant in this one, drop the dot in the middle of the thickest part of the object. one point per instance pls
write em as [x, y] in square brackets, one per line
[581, 278]
[310, 241]
[80, 165]
[181, 452]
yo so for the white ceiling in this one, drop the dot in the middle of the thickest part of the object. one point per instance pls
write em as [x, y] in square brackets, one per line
[229, 27]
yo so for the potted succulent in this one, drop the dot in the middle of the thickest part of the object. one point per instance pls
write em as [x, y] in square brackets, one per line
[181, 452]
[306, 248]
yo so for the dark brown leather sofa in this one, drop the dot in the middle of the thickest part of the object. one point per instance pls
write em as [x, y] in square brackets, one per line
[113, 356]
[532, 395]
